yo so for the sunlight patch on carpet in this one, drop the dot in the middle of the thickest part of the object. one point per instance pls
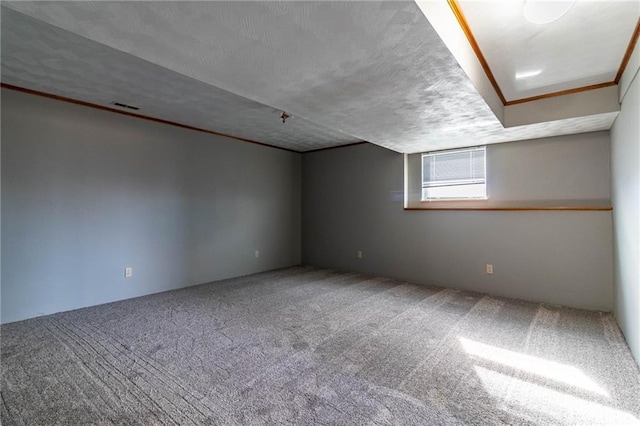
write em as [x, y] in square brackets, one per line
[548, 369]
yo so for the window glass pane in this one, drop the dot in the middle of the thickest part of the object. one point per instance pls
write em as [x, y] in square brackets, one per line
[453, 174]
[478, 164]
[477, 190]
[450, 167]
[427, 168]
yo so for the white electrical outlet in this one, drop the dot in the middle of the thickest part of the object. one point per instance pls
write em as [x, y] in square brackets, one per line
[256, 254]
[489, 269]
[359, 254]
[128, 272]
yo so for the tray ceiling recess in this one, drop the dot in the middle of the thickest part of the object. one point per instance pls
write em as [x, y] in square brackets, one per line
[343, 72]
[532, 54]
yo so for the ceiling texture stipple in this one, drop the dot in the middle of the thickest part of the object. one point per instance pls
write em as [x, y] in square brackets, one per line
[45, 58]
[344, 71]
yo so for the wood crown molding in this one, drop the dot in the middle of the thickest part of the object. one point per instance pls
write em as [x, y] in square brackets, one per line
[627, 54]
[462, 21]
[561, 93]
[464, 25]
[140, 116]
[335, 147]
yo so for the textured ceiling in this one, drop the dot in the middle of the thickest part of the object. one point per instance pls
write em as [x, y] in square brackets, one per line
[484, 133]
[376, 71]
[41, 57]
[583, 47]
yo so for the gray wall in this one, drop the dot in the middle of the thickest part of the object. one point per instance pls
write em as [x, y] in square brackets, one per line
[352, 199]
[625, 194]
[86, 193]
[568, 170]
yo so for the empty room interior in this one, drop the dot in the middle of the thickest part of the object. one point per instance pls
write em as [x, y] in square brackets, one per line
[320, 212]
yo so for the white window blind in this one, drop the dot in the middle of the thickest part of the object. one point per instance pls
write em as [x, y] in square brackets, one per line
[454, 174]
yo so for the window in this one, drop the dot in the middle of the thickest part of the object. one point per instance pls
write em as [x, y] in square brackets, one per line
[454, 174]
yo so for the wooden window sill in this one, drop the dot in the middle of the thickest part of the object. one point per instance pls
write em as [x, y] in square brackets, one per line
[570, 205]
[518, 208]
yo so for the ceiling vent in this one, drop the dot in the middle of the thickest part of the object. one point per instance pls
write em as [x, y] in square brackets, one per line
[121, 105]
